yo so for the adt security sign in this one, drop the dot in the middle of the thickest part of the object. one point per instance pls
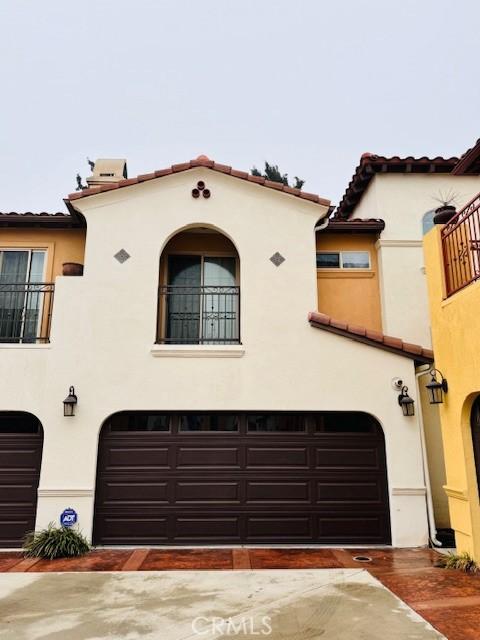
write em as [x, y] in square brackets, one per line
[68, 517]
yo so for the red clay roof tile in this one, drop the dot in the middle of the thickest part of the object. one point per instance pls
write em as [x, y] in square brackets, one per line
[338, 325]
[391, 341]
[370, 337]
[371, 164]
[201, 161]
[59, 220]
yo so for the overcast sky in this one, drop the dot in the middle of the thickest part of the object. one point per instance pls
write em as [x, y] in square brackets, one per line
[309, 85]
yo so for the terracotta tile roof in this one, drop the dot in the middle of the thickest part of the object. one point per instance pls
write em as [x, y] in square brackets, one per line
[41, 219]
[469, 163]
[201, 161]
[355, 225]
[370, 337]
[371, 164]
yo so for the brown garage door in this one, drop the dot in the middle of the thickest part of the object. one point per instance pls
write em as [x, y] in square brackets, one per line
[21, 441]
[241, 478]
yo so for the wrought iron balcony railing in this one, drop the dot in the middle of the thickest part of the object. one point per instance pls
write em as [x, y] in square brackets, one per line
[198, 315]
[26, 312]
[461, 247]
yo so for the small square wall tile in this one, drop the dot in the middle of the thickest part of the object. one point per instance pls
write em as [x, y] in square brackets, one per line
[277, 259]
[122, 256]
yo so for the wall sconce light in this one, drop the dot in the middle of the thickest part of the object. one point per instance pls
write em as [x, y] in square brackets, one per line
[435, 388]
[406, 402]
[69, 403]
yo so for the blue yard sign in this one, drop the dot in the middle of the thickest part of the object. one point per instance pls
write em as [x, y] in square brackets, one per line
[68, 517]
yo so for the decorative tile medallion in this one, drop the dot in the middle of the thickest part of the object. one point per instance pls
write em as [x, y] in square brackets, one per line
[201, 189]
[277, 259]
[122, 256]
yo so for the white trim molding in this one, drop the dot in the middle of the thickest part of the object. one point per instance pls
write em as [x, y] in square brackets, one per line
[35, 347]
[398, 243]
[457, 494]
[65, 493]
[197, 351]
[409, 491]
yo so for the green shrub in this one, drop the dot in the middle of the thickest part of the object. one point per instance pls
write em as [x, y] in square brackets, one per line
[55, 542]
[461, 561]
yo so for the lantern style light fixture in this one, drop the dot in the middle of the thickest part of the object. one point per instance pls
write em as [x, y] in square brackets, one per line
[69, 403]
[406, 402]
[436, 388]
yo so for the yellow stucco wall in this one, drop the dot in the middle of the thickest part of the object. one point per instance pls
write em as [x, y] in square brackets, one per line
[350, 295]
[456, 342]
[62, 245]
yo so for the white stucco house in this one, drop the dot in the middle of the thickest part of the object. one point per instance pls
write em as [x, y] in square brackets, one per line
[214, 403]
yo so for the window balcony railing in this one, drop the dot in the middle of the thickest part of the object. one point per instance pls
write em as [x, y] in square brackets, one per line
[461, 247]
[26, 312]
[199, 315]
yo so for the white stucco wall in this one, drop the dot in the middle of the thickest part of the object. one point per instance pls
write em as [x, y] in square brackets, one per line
[103, 332]
[402, 200]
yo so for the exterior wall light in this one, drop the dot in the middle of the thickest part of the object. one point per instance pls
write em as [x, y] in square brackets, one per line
[406, 402]
[69, 403]
[435, 388]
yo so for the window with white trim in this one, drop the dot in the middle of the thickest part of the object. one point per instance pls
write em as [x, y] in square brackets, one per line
[343, 260]
[23, 295]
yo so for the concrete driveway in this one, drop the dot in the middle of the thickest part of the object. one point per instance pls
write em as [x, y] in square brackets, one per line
[331, 604]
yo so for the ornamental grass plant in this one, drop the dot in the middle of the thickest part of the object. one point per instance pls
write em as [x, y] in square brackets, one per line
[460, 561]
[55, 542]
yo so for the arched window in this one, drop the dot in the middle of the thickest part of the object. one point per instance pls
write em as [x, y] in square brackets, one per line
[199, 292]
[475, 425]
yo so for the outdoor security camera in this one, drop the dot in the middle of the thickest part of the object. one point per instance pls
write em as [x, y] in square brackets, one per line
[397, 383]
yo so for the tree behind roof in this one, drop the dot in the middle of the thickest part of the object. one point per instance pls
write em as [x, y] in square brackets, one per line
[273, 173]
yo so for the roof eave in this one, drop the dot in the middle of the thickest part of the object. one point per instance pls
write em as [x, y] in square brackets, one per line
[206, 164]
[372, 338]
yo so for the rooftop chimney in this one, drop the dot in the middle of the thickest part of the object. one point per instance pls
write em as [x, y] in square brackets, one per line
[107, 170]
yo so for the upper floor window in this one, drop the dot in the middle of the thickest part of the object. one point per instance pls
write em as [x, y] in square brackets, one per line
[343, 260]
[199, 293]
[25, 300]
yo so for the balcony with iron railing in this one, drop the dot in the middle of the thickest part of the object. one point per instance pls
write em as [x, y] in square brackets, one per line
[26, 312]
[198, 315]
[461, 247]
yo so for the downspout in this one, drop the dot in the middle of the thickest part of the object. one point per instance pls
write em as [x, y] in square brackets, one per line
[323, 225]
[432, 529]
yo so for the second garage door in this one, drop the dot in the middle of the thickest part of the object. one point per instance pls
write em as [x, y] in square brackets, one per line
[21, 442]
[190, 478]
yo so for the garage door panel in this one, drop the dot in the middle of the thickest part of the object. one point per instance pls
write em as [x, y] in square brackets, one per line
[198, 491]
[19, 458]
[119, 529]
[280, 528]
[15, 526]
[126, 491]
[212, 457]
[18, 490]
[132, 457]
[350, 491]
[364, 527]
[212, 527]
[348, 457]
[278, 491]
[274, 457]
